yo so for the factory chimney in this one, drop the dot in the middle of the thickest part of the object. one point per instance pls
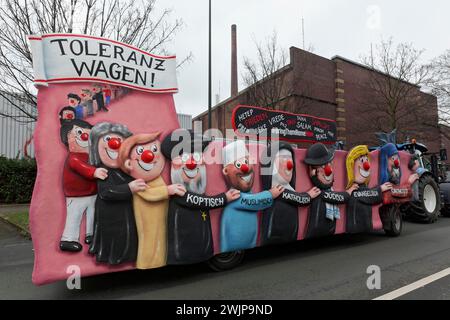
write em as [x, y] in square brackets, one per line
[234, 77]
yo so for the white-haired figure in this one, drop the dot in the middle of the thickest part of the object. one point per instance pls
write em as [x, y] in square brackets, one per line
[239, 224]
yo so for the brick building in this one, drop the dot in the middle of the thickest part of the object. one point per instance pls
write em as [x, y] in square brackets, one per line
[338, 89]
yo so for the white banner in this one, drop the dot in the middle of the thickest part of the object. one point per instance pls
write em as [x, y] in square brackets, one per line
[79, 58]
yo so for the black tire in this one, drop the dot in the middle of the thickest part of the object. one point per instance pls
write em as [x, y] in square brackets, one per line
[421, 211]
[392, 219]
[226, 261]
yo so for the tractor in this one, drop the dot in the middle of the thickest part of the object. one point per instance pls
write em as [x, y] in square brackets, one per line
[434, 190]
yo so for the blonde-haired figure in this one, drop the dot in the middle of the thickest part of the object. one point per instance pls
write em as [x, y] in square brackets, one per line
[140, 156]
[359, 208]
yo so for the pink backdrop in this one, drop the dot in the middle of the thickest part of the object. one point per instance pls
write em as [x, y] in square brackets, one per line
[142, 113]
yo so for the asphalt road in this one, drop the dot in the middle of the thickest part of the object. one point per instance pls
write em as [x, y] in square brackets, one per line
[331, 268]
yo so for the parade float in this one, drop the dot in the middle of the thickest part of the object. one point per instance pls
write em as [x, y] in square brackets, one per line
[120, 186]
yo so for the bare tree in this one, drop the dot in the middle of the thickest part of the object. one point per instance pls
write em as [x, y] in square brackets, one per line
[439, 84]
[138, 23]
[393, 98]
[265, 78]
[269, 82]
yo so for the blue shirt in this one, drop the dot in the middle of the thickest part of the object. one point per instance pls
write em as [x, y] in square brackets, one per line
[239, 225]
[79, 112]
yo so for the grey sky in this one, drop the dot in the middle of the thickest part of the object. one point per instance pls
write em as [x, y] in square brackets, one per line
[332, 27]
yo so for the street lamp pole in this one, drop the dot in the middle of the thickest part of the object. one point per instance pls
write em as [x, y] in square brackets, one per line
[209, 70]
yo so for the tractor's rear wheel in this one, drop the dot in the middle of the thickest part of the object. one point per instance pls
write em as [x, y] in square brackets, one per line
[428, 207]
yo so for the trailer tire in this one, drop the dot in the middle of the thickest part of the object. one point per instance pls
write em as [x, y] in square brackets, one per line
[427, 209]
[226, 261]
[392, 219]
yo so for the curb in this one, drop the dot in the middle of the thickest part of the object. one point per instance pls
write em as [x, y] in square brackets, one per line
[23, 232]
[7, 207]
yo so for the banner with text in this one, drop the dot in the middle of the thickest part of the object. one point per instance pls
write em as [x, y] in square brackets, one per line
[61, 58]
[254, 121]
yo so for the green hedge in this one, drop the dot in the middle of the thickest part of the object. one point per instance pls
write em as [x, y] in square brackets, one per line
[16, 180]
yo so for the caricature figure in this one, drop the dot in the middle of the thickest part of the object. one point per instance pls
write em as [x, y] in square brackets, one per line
[280, 222]
[359, 207]
[98, 97]
[189, 227]
[115, 237]
[79, 183]
[140, 156]
[390, 171]
[66, 114]
[239, 222]
[86, 101]
[74, 101]
[107, 93]
[324, 209]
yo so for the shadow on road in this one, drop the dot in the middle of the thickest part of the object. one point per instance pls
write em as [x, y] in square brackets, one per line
[136, 281]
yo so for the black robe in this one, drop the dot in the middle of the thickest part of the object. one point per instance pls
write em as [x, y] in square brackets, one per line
[115, 237]
[98, 97]
[280, 222]
[318, 223]
[189, 227]
[359, 209]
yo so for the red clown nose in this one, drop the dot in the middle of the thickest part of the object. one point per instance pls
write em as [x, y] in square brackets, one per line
[328, 170]
[147, 156]
[70, 116]
[244, 168]
[289, 165]
[397, 163]
[191, 164]
[84, 136]
[366, 166]
[114, 143]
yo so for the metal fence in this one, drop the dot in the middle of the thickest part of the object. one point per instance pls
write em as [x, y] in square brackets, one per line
[185, 120]
[15, 130]
[15, 134]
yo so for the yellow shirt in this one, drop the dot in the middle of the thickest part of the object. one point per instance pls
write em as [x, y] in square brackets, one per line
[150, 210]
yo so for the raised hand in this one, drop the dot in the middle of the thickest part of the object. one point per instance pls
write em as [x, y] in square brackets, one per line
[176, 189]
[314, 192]
[137, 185]
[386, 186]
[232, 195]
[352, 188]
[101, 173]
[276, 191]
[413, 178]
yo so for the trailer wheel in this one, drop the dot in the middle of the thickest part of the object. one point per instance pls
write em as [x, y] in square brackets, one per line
[392, 219]
[427, 209]
[226, 261]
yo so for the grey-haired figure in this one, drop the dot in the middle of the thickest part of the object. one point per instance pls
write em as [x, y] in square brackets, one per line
[189, 235]
[115, 235]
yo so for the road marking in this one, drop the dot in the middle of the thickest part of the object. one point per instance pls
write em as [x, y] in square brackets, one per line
[414, 286]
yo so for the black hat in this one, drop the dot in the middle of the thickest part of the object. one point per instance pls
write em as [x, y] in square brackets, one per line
[318, 155]
[179, 136]
[73, 96]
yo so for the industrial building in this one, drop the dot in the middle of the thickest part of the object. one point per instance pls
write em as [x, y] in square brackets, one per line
[16, 131]
[337, 89]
